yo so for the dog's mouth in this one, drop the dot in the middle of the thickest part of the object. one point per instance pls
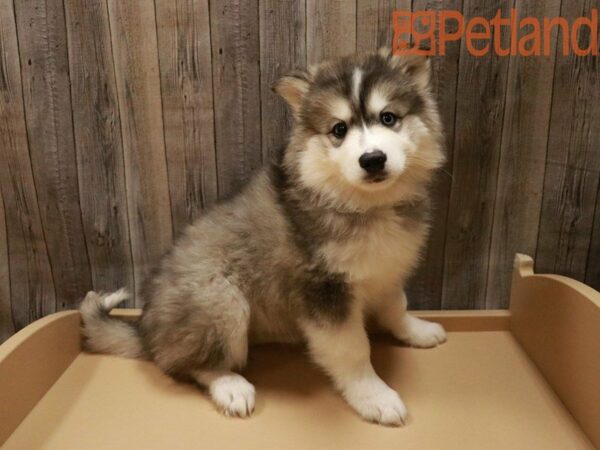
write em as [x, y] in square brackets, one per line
[376, 178]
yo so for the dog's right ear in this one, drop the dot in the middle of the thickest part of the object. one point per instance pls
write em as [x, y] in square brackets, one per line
[293, 87]
[417, 65]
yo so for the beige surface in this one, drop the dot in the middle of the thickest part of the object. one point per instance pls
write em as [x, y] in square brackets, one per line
[478, 391]
[557, 322]
[31, 361]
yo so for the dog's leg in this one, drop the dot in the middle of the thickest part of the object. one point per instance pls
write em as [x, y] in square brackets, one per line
[231, 392]
[343, 351]
[391, 314]
[207, 344]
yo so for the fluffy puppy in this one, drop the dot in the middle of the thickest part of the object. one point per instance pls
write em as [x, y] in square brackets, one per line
[324, 238]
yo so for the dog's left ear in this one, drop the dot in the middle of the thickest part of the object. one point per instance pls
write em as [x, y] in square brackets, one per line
[293, 88]
[414, 64]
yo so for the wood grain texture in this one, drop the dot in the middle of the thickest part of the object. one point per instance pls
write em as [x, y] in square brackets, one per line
[134, 43]
[282, 50]
[31, 284]
[592, 275]
[97, 128]
[374, 25]
[45, 73]
[425, 288]
[573, 162]
[184, 48]
[522, 159]
[143, 113]
[330, 29]
[477, 139]
[7, 327]
[236, 83]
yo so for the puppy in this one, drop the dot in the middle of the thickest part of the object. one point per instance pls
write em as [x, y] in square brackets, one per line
[324, 238]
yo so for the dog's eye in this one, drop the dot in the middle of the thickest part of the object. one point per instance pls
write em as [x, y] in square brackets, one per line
[388, 119]
[339, 130]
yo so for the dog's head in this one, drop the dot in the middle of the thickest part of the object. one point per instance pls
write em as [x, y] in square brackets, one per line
[367, 131]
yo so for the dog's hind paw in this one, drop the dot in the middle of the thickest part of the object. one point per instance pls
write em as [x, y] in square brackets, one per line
[233, 395]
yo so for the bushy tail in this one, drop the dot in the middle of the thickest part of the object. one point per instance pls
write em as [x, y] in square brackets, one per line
[105, 334]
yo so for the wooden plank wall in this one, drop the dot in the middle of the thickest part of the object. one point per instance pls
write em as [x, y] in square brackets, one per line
[120, 122]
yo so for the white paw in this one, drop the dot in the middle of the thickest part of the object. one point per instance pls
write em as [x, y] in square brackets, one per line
[233, 395]
[422, 334]
[376, 402]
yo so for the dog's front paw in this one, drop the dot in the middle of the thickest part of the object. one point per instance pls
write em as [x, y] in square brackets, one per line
[421, 333]
[376, 402]
[233, 395]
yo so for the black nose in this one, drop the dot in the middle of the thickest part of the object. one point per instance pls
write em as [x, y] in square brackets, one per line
[373, 162]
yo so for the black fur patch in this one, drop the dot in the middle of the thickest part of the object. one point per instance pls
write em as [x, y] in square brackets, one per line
[300, 220]
[327, 296]
[377, 71]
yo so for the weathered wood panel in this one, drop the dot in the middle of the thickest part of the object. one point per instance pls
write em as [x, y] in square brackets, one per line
[282, 49]
[330, 29]
[236, 83]
[425, 289]
[45, 74]
[477, 136]
[134, 43]
[141, 114]
[98, 142]
[6, 320]
[30, 274]
[184, 48]
[573, 162]
[374, 26]
[592, 276]
[522, 159]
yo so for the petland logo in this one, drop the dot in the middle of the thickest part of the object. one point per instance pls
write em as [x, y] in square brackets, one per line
[431, 31]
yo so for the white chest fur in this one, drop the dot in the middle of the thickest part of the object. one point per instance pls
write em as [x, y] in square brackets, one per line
[381, 253]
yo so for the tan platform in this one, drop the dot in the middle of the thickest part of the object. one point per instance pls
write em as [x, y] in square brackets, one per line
[524, 379]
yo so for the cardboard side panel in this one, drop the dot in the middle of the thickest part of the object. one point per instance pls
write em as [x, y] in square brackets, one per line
[30, 363]
[557, 321]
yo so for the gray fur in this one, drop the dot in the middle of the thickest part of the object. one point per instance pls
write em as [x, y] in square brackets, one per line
[103, 334]
[251, 268]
